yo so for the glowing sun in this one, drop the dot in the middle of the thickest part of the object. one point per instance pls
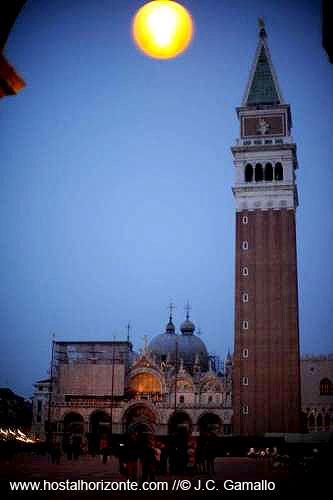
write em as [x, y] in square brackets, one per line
[162, 29]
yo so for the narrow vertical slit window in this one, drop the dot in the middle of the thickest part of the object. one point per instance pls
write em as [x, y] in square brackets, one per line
[245, 324]
[244, 410]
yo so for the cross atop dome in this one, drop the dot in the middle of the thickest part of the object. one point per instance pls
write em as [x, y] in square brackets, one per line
[171, 307]
[187, 309]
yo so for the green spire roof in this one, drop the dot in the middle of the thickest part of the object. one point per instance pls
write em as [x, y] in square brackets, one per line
[263, 87]
[262, 90]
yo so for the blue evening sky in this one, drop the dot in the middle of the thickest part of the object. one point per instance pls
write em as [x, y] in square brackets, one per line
[116, 175]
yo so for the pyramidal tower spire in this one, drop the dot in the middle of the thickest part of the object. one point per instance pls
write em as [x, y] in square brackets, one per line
[263, 87]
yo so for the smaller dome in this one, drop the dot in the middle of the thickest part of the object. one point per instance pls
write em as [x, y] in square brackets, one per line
[187, 327]
[170, 327]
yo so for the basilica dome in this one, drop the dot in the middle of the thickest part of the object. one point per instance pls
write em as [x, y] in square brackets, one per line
[187, 347]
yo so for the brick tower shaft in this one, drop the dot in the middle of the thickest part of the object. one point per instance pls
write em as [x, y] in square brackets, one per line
[266, 373]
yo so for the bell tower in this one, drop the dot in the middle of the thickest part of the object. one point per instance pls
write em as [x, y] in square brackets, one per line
[266, 373]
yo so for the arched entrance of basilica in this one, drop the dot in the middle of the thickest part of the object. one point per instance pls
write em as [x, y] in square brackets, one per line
[210, 423]
[99, 426]
[139, 418]
[73, 423]
[180, 428]
[180, 422]
[73, 433]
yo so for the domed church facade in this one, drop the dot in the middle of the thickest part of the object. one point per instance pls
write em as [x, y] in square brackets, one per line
[175, 378]
[101, 388]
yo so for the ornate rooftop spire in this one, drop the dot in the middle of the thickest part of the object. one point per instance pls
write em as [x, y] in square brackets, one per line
[196, 367]
[145, 344]
[181, 368]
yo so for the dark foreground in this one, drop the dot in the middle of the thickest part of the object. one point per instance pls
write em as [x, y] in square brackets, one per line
[229, 474]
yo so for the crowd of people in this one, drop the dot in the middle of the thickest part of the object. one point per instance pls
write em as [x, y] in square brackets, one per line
[181, 454]
[305, 461]
[263, 453]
